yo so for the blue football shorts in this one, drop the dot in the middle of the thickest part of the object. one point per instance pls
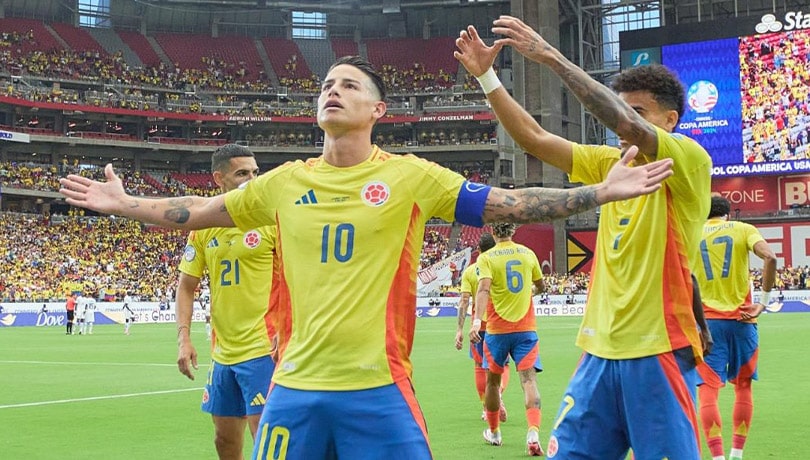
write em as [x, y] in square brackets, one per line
[523, 347]
[612, 405]
[735, 353]
[237, 390]
[377, 423]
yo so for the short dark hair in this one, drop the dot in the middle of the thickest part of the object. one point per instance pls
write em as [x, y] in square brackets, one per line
[486, 242]
[655, 78]
[365, 67]
[223, 154]
[720, 207]
[503, 229]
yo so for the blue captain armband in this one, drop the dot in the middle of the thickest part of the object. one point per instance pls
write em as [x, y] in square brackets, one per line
[472, 197]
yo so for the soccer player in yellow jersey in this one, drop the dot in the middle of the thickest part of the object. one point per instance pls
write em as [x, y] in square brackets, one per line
[732, 316]
[508, 276]
[240, 267]
[635, 384]
[469, 287]
[350, 226]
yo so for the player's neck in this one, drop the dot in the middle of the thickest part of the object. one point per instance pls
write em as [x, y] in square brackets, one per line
[347, 149]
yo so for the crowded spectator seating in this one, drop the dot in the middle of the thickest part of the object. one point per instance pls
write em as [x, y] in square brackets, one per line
[775, 86]
[290, 66]
[230, 63]
[196, 183]
[403, 63]
[46, 257]
[218, 63]
[469, 235]
[21, 37]
[436, 245]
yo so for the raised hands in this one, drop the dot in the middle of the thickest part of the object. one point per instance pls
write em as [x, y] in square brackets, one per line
[473, 53]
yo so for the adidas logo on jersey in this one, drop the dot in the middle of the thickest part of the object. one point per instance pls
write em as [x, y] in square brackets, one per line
[213, 243]
[258, 400]
[307, 198]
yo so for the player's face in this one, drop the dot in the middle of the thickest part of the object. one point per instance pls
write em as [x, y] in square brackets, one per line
[645, 104]
[241, 170]
[348, 100]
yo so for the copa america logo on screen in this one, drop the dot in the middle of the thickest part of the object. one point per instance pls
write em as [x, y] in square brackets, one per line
[702, 96]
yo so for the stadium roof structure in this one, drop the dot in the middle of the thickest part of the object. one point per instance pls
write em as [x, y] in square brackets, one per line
[384, 6]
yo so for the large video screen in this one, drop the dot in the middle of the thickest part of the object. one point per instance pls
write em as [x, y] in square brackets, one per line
[748, 97]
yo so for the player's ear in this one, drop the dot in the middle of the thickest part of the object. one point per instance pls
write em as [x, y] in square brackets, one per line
[379, 109]
[218, 178]
[671, 120]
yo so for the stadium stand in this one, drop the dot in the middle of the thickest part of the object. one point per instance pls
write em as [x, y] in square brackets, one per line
[141, 46]
[78, 39]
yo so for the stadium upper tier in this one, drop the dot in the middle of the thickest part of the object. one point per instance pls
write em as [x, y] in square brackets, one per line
[201, 62]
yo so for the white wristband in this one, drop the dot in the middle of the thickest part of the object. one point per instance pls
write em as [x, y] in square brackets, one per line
[476, 323]
[765, 298]
[489, 81]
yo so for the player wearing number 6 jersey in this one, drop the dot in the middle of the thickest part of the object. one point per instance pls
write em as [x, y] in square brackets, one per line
[239, 265]
[350, 231]
[725, 288]
[508, 276]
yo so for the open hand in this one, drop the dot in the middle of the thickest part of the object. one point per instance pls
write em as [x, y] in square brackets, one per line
[625, 181]
[473, 53]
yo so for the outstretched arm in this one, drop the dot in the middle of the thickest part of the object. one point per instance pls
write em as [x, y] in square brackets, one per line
[478, 59]
[187, 213]
[602, 102]
[538, 204]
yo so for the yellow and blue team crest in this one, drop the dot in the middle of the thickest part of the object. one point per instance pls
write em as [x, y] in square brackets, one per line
[252, 239]
[375, 193]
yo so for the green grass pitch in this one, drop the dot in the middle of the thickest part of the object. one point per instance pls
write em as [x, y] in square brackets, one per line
[111, 396]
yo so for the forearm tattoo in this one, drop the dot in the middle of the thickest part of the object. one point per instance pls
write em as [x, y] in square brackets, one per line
[538, 204]
[597, 98]
[178, 212]
[535, 41]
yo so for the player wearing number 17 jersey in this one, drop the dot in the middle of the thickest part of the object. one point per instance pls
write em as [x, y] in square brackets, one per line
[725, 288]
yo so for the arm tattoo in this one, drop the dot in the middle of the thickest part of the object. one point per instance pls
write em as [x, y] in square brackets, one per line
[534, 42]
[597, 98]
[178, 213]
[605, 105]
[538, 204]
